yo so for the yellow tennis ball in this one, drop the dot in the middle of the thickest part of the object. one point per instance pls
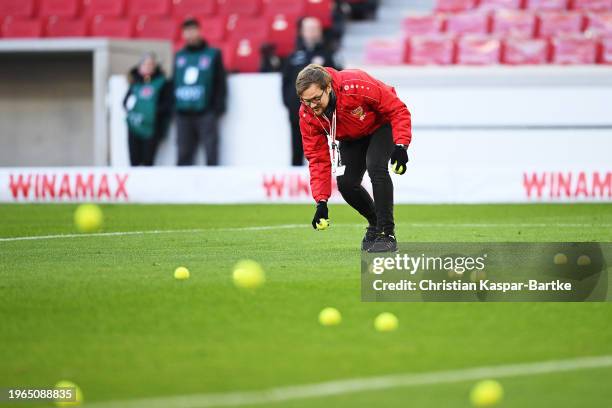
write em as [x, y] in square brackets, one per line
[330, 316]
[322, 224]
[560, 259]
[69, 386]
[583, 260]
[248, 274]
[88, 218]
[386, 322]
[487, 393]
[181, 273]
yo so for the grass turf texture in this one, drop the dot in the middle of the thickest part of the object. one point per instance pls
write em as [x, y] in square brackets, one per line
[106, 312]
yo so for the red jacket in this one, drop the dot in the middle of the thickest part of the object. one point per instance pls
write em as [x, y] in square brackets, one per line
[363, 104]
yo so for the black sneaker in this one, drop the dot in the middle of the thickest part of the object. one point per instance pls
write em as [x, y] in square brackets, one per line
[384, 243]
[370, 236]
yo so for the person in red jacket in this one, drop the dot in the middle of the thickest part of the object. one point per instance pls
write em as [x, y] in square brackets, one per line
[372, 126]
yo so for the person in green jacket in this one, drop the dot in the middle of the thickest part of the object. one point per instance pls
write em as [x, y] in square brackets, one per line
[148, 103]
[200, 88]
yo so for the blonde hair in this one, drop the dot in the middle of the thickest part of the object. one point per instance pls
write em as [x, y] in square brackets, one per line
[312, 74]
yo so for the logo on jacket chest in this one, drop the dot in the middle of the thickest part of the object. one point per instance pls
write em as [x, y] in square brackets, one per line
[358, 113]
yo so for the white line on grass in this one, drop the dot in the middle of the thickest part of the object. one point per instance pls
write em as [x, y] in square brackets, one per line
[340, 387]
[298, 226]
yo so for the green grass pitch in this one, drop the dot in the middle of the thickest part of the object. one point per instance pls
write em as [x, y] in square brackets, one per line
[106, 313]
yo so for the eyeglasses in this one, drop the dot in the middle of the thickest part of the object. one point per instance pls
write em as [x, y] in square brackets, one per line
[315, 100]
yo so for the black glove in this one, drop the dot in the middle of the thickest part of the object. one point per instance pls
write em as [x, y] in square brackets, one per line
[399, 158]
[321, 214]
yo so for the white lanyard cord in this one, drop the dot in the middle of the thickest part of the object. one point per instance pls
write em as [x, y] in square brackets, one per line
[335, 155]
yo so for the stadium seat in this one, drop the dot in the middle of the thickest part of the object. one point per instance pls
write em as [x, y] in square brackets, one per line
[321, 9]
[500, 4]
[21, 28]
[468, 22]
[66, 27]
[520, 51]
[17, 8]
[156, 27]
[437, 49]
[385, 52]
[514, 23]
[606, 51]
[422, 24]
[562, 22]
[114, 8]
[282, 31]
[285, 7]
[148, 7]
[574, 49]
[243, 55]
[247, 27]
[599, 24]
[547, 5]
[240, 7]
[111, 27]
[60, 8]
[213, 29]
[478, 50]
[452, 6]
[591, 5]
[194, 8]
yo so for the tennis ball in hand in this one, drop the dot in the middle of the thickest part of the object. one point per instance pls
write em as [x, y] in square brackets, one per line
[487, 393]
[75, 402]
[88, 218]
[181, 273]
[330, 317]
[248, 274]
[322, 224]
[386, 322]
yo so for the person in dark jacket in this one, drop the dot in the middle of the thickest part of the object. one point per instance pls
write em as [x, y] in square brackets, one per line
[148, 103]
[310, 50]
[200, 88]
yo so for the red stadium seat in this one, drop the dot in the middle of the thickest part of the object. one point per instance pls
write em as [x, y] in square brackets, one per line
[213, 29]
[563, 22]
[500, 4]
[114, 8]
[606, 51]
[20, 28]
[436, 49]
[17, 8]
[282, 33]
[385, 52]
[478, 50]
[321, 9]
[148, 7]
[548, 5]
[591, 5]
[243, 55]
[424, 24]
[156, 28]
[286, 7]
[599, 24]
[60, 8]
[239, 27]
[111, 27]
[193, 8]
[520, 51]
[574, 49]
[469, 22]
[66, 27]
[453, 6]
[514, 23]
[241, 7]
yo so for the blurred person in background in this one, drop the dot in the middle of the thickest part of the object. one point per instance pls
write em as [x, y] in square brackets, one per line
[148, 103]
[200, 89]
[310, 50]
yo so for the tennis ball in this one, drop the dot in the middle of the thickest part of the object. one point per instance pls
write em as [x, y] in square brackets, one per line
[88, 218]
[560, 259]
[486, 393]
[330, 316]
[248, 274]
[583, 260]
[181, 273]
[79, 394]
[386, 322]
[322, 224]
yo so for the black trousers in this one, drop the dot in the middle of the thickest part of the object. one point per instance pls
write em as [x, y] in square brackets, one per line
[370, 153]
[142, 151]
[192, 129]
[297, 150]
